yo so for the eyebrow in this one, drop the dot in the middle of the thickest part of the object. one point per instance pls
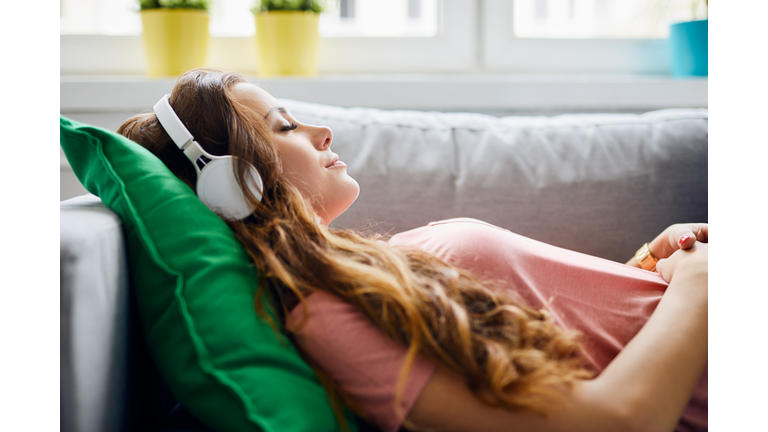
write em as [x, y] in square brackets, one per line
[277, 108]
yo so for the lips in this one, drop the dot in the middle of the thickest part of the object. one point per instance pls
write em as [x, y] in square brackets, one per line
[334, 161]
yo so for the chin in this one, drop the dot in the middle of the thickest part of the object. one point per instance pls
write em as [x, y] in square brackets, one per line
[356, 191]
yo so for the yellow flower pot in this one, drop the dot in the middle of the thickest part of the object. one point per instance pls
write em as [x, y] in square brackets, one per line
[175, 40]
[286, 42]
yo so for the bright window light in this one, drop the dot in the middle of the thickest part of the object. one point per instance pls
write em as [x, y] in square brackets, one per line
[602, 19]
[381, 18]
[100, 17]
[347, 18]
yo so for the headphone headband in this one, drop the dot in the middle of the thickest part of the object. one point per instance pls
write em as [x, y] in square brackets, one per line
[172, 123]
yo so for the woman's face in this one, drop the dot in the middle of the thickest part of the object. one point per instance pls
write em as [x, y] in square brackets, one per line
[305, 154]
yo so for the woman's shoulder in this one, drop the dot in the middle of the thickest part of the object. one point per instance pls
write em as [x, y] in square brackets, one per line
[456, 230]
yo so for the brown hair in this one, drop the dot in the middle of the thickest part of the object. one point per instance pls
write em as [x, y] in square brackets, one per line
[437, 310]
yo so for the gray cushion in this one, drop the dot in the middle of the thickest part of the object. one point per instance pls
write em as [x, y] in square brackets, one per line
[601, 184]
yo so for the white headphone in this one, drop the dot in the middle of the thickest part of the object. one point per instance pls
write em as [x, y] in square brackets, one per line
[217, 187]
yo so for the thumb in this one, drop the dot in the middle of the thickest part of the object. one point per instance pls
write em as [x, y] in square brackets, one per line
[686, 235]
[665, 269]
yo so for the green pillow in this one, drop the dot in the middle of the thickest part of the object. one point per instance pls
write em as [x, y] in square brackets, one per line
[194, 285]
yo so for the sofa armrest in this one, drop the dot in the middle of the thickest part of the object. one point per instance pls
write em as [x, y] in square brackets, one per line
[94, 317]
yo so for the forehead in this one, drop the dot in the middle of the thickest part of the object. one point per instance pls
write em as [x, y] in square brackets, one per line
[254, 97]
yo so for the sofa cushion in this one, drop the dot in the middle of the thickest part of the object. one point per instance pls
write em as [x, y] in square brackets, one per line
[194, 286]
[601, 184]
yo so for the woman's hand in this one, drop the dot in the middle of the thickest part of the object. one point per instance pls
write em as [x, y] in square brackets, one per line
[678, 236]
[692, 261]
[674, 238]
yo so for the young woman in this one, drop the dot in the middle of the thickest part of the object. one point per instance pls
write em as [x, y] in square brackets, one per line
[461, 325]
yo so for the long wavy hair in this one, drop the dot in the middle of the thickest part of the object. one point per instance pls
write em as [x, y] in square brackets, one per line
[510, 354]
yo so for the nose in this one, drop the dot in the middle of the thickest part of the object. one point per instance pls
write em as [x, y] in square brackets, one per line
[322, 138]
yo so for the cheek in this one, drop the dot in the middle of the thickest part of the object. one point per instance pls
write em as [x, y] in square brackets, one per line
[300, 169]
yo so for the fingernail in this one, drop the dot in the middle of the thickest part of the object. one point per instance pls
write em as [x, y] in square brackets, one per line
[683, 239]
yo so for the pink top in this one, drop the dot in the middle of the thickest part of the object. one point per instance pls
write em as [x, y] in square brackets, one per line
[608, 301]
[363, 361]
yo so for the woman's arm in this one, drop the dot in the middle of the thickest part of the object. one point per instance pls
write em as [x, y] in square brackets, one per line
[678, 236]
[645, 388]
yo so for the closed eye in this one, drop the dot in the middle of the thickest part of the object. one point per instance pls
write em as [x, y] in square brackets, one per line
[290, 127]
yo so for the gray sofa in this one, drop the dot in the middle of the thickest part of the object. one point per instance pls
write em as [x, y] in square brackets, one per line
[602, 184]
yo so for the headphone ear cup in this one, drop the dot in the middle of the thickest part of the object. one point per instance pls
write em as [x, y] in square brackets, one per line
[217, 188]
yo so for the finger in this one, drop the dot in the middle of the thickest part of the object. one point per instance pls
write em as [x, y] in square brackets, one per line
[702, 232]
[686, 241]
[664, 269]
[683, 237]
[688, 234]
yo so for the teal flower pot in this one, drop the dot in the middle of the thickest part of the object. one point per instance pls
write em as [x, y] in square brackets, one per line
[689, 48]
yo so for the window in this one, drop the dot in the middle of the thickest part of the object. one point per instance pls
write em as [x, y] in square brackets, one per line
[102, 37]
[555, 36]
[600, 19]
[232, 18]
[99, 17]
[430, 36]
[381, 18]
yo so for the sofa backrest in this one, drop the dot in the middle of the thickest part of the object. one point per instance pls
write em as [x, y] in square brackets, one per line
[601, 184]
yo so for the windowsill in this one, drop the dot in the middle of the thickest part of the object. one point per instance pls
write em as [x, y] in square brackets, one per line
[489, 93]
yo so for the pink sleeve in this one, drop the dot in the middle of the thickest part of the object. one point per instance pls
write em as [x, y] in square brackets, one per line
[363, 361]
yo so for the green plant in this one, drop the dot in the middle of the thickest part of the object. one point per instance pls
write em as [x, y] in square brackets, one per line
[174, 4]
[695, 7]
[315, 6]
[657, 15]
[697, 12]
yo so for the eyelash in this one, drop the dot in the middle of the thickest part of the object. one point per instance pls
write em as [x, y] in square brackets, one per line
[293, 126]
